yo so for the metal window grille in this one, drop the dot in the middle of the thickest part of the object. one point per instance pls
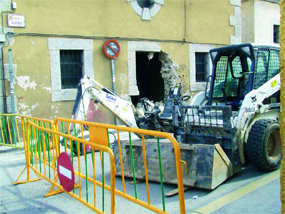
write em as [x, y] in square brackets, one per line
[276, 38]
[201, 67]
[261, 71]
[71, 64]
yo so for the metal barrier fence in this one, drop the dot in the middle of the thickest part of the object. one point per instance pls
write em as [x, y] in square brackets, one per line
[10, 130]
[85, 144]
[43, 152]
[118, 138]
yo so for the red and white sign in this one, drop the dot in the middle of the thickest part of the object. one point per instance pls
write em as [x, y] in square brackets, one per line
[65, 171]
[111, 49]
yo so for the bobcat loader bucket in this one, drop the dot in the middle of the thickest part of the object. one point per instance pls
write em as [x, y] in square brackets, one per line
[207, 165]
[207, 144]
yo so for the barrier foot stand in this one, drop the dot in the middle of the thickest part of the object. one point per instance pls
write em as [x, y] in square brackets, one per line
[28, 179]
[52, 192]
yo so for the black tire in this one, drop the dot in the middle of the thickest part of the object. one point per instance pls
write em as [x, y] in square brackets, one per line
[264, 147]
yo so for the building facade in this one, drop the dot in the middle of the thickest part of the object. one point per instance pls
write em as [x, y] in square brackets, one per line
[162, 43]
[260, 21]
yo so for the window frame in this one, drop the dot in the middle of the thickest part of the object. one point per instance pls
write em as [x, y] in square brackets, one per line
[54, 46]
[193, 49]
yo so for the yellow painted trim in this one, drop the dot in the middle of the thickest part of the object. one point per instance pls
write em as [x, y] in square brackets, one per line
[223, 201]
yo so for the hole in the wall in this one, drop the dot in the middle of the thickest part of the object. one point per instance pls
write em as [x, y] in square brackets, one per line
[149, 80]
[156, 73]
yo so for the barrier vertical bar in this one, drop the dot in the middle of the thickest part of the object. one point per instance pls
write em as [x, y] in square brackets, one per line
[133, 166]
[64, 140]
[5, 130]
[2, 134]
[103, 183]
[39, 144]
[17, 129]
[94, 174]
[161, 174]
[86, 170]
[145, 168]
[9, 129]
[48, 147]
[44, 151]
[79, 168]
[121, 162]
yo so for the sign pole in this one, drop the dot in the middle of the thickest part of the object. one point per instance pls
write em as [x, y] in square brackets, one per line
[111, 50]
[114, 83]
[113, 75]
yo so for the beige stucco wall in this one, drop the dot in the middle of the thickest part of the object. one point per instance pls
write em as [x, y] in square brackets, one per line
[174, 27]
[116, 18]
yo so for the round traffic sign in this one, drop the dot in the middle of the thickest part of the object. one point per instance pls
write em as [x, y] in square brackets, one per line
[111, 49]
[65, 171]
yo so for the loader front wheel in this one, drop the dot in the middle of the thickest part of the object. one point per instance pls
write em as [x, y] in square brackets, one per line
[263, 147]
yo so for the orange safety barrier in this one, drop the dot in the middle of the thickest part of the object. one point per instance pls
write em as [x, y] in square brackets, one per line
[43, 155]
[102, 134]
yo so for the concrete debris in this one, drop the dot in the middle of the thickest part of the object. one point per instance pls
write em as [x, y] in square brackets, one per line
[169, 70]
[150, 56]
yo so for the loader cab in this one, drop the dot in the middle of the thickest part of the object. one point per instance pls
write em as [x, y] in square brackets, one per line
[238, 69]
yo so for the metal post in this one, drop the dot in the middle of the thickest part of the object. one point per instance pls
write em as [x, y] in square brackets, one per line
[113, 75]
[114, 83]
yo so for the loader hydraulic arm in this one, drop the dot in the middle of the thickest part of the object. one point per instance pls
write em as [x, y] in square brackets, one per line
[89, 89]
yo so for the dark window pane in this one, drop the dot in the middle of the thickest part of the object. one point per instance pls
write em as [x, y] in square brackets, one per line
[71, 68]
[276, 38]
[201, 67]
[145, 3]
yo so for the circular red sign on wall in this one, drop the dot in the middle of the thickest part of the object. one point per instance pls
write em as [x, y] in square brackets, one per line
[111, 49]
[65, 171]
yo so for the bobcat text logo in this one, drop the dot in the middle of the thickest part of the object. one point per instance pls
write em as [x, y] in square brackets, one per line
[111, 98]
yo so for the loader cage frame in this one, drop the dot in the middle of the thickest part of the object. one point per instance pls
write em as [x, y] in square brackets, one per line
[238, 69]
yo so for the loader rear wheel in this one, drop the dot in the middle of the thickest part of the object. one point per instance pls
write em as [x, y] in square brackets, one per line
[264, 145]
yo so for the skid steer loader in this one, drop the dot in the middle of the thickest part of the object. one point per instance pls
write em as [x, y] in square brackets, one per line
[235, 119]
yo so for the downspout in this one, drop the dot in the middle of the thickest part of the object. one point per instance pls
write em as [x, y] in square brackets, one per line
[3, 89]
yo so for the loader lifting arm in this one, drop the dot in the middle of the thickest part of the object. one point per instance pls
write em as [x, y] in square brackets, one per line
[89, 89]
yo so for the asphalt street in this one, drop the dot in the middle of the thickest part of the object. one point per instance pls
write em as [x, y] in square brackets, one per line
[248, 192]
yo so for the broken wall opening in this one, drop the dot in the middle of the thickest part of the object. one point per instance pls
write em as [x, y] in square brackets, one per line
[156, 73]
[149, 80]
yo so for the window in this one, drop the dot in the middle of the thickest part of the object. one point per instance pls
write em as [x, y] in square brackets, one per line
[70, 68]
[146, 8]
[70, 59]
[276, 38]
[201, 66]
[146, 3]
